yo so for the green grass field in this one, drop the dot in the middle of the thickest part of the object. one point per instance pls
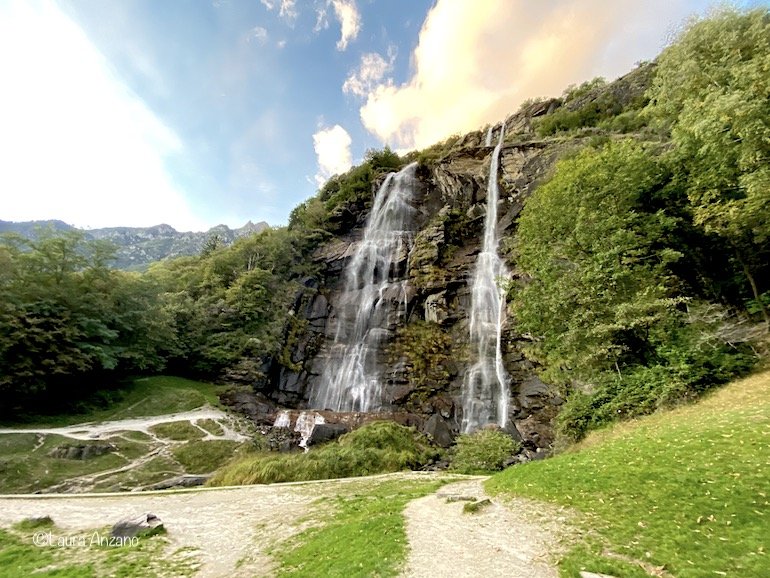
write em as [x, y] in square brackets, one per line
[27, 466]
[151, 557]
[360, 532]
[683, 493]
[142, 397]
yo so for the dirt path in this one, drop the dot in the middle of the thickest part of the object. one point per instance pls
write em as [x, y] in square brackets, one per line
[515, 540]
[229, 527]
[102, 430]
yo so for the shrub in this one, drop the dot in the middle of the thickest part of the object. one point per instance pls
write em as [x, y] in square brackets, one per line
[483, 451]
[375, 448]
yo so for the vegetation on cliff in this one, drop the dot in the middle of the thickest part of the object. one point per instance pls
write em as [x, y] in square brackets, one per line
[641, 261]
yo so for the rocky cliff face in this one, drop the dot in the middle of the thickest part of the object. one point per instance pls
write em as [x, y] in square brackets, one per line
[426, 358]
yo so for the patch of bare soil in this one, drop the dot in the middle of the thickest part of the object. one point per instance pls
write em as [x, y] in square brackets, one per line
[516, 539]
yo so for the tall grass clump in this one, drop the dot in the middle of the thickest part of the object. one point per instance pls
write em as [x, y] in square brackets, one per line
[483, 451]
[375, 448]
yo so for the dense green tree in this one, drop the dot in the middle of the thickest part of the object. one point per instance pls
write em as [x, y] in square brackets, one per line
[608, 314]
[67, 319]
[711, 90]
[599, 281]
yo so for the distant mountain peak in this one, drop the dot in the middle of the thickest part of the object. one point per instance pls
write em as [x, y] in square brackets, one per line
[140, 246]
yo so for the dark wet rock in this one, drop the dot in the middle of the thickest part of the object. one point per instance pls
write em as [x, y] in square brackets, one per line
[254, 405]
[326, 432]
[439, 431]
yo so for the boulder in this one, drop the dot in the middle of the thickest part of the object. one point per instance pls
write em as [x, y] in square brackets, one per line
[139, 526]
[325, 432]
[438, 430]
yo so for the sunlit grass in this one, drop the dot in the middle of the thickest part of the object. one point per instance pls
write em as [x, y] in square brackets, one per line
[687, 490]
[364, 534]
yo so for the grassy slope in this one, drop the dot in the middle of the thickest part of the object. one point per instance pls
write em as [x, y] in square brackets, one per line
[687, 490]
[146, 396]
[25, 465]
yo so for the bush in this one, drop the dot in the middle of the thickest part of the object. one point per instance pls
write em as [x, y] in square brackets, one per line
[483, 451]
[375, 448]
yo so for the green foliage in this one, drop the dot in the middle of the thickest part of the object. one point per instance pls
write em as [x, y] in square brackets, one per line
[66, 318]
[482, 451]
[604, 300]
[711, 91]
[372, 449]
[587, 245]
[666, 489]
[203, 457]
[177, 430]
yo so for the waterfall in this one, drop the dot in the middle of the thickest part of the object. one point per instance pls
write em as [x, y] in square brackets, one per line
[485, 386]
[488, 140]
[373, 302]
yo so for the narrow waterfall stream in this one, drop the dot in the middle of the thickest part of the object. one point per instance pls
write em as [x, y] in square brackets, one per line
[373, 302]
[485, 386]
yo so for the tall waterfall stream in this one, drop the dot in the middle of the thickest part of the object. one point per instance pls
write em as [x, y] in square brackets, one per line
[373, 301]
[485, 386]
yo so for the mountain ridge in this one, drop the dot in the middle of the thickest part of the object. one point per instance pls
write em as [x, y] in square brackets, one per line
[138, 247]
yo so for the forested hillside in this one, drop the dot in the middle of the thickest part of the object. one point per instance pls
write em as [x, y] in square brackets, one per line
[635, 221]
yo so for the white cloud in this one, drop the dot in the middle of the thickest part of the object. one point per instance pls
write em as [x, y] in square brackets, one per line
[350, 21]
[287, 9]
[258, 34]
[332, 147]
[476, 61]
[75, 144]
[321, 18]
[371, 70]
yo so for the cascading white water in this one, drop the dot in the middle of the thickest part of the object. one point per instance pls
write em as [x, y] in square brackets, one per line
[485, 386]
[373, 301]
[488, 140]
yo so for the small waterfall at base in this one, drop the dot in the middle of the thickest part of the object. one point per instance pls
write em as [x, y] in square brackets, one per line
[373, 302]
[485, 386]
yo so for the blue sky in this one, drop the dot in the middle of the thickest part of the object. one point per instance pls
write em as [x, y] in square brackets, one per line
[137, 112]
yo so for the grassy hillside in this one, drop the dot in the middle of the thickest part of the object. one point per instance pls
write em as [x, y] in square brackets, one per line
[684, 493]
[142, 397]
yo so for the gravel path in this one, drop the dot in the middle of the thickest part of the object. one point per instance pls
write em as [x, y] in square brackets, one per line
[515, 540]
[230, 527]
